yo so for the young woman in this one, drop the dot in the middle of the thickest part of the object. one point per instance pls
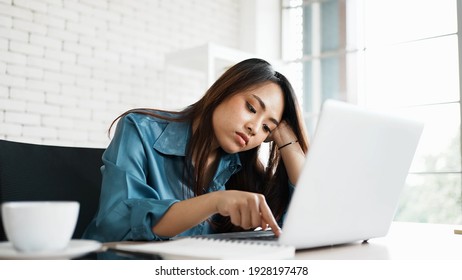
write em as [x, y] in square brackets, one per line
[198, 171]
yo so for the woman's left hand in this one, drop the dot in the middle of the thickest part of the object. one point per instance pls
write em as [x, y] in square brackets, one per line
[282, 134]
[291, 152]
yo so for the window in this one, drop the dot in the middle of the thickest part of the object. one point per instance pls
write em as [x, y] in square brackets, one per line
[402, 55]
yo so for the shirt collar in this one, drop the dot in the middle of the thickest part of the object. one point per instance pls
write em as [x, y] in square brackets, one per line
[174, 139]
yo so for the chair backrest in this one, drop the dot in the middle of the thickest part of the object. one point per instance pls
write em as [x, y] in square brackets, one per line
[32, 172]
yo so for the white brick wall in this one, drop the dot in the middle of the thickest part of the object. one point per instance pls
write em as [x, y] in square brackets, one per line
[69, 67]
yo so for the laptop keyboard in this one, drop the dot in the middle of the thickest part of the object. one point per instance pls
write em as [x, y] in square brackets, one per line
[262, 235]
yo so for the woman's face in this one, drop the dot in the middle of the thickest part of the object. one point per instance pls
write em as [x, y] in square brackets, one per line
[246, 119]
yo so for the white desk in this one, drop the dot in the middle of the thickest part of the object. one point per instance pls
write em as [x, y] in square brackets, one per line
[405, 241]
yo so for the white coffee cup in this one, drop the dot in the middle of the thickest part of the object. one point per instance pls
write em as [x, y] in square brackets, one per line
[40, 226]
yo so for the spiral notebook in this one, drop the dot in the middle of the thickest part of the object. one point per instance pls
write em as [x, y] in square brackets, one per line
[206, 248]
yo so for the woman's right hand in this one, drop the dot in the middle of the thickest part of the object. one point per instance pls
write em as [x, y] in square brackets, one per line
[246, 209]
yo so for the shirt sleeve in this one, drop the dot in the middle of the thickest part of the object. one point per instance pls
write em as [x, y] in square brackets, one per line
[129, 207]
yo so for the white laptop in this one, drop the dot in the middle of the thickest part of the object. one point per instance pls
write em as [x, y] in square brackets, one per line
[350, 185]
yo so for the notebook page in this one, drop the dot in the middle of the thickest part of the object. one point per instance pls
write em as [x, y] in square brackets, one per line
[205, 248]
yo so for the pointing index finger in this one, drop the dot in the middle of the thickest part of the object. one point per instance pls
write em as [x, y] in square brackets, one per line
[268, 218]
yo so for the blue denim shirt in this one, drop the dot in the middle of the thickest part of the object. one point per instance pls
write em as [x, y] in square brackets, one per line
[142, 177]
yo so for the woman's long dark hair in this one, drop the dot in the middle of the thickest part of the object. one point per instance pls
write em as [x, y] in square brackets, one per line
[271, 181]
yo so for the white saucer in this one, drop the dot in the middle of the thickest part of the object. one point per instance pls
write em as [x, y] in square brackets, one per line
[76, 248]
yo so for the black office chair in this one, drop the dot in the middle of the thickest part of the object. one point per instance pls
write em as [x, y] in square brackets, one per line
[34, 172]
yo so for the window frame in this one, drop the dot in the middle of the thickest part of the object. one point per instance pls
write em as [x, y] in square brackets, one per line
[354, 92]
